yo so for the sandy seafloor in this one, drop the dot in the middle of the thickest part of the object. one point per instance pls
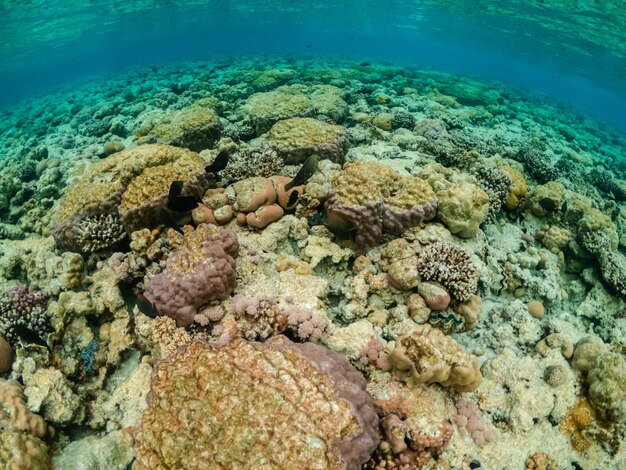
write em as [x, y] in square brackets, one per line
[491, 335]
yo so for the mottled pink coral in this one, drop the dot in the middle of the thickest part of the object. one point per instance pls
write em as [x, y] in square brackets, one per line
[200, 270]
[374, 354]
[305, 324]
[470, 420]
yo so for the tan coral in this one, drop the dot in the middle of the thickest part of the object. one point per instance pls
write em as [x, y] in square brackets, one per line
[427, 355]
[21, 432]
[256, 405]
[296, 139]
[167, 336]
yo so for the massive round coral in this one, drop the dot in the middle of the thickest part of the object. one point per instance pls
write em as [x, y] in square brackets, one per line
[370, 198]
[132, 184]
[256, 405]
[200, 270]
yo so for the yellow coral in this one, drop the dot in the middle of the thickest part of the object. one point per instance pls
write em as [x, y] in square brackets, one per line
[576, 421]
[517, 189]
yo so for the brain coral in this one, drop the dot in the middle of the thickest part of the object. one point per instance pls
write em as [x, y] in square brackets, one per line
[256, 405]
[200, 270]
[369, 198]
[428, 355]
[296, 139]
[21, 431]
[132, 184]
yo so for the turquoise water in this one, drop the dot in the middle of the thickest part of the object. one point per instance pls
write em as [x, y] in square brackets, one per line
[571, 51]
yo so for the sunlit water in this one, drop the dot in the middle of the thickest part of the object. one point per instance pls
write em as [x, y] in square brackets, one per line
[572, 51]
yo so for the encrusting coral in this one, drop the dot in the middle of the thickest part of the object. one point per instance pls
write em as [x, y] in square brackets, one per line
[252, 404]
[427, 355]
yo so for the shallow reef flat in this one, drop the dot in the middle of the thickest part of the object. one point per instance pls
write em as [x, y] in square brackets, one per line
[306, 264]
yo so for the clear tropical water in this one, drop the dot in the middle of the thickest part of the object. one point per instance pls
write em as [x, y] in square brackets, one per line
[574, 51]
[288, 235]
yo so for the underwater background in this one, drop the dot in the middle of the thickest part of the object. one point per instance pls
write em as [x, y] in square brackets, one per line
[312, 235]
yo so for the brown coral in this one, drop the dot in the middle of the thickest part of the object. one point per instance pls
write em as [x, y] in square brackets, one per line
[256, 405]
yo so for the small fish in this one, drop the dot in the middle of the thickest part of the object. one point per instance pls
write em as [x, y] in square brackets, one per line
[365, 64]
[308, 45]
[548, 204]
[340, 225]
[179, 203]
[220, 162]
[145, 306]
[293, 198]
[382, 99]
[308, 169]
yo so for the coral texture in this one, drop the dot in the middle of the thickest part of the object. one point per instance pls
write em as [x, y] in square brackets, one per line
[132, 184]
[296, 139]
[200, 270]
[21, 309]
[21, 432]
[253, 404]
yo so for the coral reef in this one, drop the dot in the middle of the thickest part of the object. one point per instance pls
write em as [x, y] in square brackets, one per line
[449, 236]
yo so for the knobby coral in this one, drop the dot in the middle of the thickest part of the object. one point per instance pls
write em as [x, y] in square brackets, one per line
[200, 270]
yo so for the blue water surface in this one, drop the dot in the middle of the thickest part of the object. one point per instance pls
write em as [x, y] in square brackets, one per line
[46, 44]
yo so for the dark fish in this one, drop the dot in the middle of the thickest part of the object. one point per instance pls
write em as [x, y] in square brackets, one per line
[293, 198]
[365, 64]
[308, 45]
[179, 203]
[308, 169]
[339, 225]
[220, 162]
[547, 204]
[145, 306]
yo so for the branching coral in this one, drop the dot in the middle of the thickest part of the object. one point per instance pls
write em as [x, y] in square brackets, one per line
[250, 162]
[253, 404]
[451, 266]
[258, 317]
[496, 184]
[21, 309]
[99, 232]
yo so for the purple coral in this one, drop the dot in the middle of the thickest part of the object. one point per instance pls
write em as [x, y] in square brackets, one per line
[451, 266]
[258, 317]
[304, 323]
[23, 309]
[470, 420]
[374, 354]
[201, 270]
[396, 220]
